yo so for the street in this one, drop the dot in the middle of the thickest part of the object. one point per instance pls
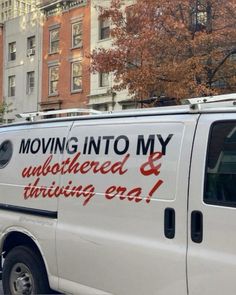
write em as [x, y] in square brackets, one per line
[1, 290]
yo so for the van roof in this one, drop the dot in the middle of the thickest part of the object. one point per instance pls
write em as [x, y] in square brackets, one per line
[214, 104]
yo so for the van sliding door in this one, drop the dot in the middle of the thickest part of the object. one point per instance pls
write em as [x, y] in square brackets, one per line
[122, 224]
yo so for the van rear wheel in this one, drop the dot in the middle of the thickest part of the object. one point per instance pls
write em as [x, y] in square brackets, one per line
[24, 273]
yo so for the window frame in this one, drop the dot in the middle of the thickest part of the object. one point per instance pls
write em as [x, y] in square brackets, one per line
[29, 39]
[31, 45]
[52, 42]
[50, 81]
[80, 76]
[30, 89]
[199, 16]
[104, 31]
[12, 88]
[101, 80]
[12, 51]
[79, 35]
[215, 202]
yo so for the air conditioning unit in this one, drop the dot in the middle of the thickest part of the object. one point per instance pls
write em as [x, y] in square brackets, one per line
[30, 51]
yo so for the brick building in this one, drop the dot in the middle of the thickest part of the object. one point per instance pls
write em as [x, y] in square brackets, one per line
[65, 62]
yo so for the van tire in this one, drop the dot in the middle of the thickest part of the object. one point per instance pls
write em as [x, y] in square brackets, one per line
[24, 272]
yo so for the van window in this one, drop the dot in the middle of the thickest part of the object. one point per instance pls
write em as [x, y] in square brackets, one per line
[6, 151]
[220, 188]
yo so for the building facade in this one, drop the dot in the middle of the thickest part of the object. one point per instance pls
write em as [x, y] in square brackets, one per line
[22, 64]
[14, 8]
[102, 96]
[66, 48]
[46, 58]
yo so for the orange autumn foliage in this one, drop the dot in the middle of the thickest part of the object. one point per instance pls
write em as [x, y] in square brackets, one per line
[172, 48]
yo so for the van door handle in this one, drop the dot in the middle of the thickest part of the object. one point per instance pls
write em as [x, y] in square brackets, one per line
[169, 223]
[196, 226]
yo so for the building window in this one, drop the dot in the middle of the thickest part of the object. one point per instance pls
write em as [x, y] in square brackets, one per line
[30, 82]
[219, 84]
[129, 106]
[200, 15]
[11, 86]
[76, 76]
[31, 46]
[233, 57]
[101, 107]
[54, 41]
[53, 80]
[77, 34]
[103, 79]
[12, 51]
[104, 29]
[220, 186]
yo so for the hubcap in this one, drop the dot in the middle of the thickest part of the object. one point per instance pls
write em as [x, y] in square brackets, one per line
[21, 280]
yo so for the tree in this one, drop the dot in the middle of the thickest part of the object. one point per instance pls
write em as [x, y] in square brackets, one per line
[171, 48]
[4, 108]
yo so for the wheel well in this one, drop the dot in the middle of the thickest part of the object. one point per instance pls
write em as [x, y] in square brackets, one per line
[16, 239]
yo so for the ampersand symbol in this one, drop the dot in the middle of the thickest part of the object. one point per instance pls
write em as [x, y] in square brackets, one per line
[151, 167]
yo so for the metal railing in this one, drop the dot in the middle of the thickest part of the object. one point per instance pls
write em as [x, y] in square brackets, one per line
[33, 116]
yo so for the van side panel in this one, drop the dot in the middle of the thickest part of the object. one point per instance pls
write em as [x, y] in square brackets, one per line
[110, 234]
[26, 204]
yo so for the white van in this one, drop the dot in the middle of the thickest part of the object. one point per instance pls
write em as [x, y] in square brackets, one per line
[134, 203]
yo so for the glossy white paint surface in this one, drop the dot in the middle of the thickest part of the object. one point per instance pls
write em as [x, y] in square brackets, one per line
[12, 186]
[118, 246]
[110, 244]
[212, 263]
